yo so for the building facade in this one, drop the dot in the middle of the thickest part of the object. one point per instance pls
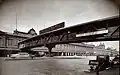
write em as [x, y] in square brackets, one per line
[8, 41]
[79, 49]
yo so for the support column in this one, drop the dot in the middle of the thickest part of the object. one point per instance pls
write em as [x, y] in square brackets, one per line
[50, 49]
[50, 46]
[68, 54]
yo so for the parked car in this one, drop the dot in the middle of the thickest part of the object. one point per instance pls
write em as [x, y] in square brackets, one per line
[20, 55]
[116, 60]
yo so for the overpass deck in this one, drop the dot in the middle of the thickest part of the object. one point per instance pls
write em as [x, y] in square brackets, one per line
[99, 30]
[83, 28]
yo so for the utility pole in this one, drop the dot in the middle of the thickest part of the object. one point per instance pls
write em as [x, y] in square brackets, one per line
[16, 20]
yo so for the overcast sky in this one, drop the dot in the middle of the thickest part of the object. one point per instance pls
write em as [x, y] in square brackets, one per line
[39, 14]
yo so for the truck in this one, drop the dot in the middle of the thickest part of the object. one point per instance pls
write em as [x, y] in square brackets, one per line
[101, 63]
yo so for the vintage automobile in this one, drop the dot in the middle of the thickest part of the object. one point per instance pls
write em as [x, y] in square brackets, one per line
[116, 60]
[102, 62]
[20, 55]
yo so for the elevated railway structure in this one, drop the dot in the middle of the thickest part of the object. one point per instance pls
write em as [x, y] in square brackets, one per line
[106, 29]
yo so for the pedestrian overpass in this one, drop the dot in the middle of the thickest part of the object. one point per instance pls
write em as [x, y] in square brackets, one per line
[106, 29]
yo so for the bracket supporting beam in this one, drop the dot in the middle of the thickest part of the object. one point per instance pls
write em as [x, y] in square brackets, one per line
[115, 30]
[50, 46]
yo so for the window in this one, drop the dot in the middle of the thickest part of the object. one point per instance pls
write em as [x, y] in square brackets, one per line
[9, 42]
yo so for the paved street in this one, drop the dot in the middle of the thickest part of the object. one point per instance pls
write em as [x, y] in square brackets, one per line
[44, 67]
[47, 66]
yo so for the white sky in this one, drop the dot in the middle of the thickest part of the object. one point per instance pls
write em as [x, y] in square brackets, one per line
[39, 14]
[112, 44]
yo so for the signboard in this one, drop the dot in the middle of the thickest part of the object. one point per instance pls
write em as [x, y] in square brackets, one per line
[93, 62]
[57, 26]
[92, 33]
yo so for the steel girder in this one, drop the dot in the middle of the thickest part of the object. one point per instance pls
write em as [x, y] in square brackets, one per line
[68, 35]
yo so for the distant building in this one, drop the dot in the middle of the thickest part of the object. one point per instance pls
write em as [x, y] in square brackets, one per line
[101, 46]
[30, 33]
[112, 51]
[8, 41]
[72, 49]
